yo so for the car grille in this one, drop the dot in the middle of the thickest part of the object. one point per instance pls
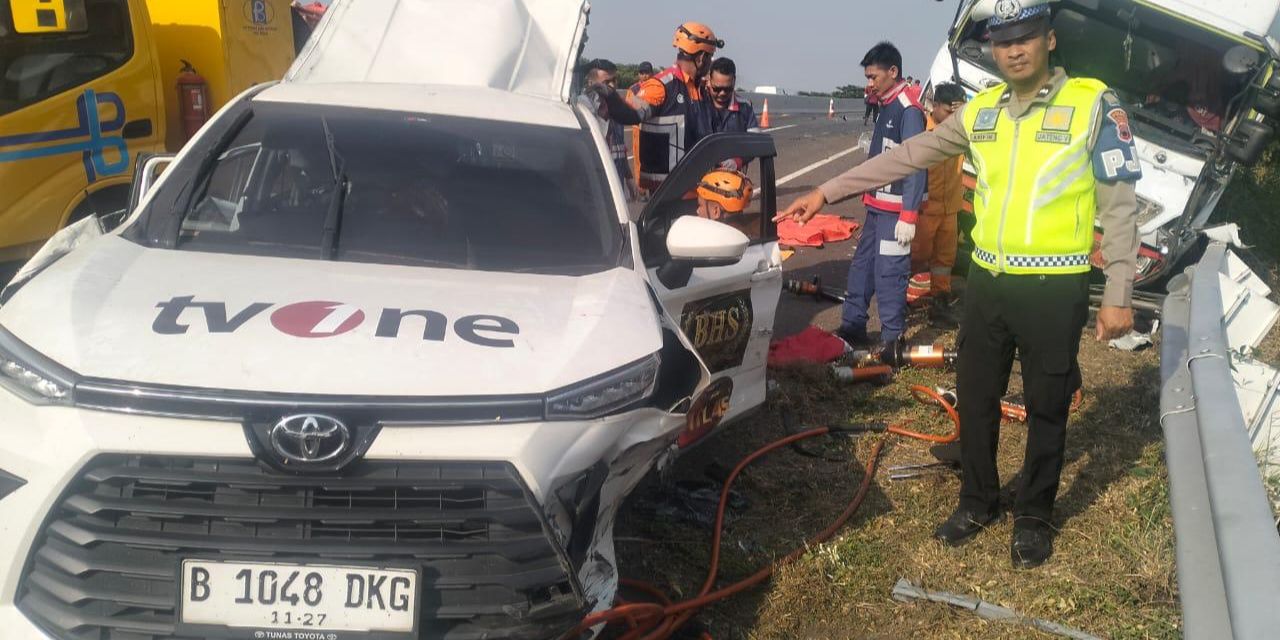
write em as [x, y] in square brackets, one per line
[104, 566]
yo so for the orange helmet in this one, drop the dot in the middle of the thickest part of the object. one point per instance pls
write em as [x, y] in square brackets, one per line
[729, 189]
[694, 37]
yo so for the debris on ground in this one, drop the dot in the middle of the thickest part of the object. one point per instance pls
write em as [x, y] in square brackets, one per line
[690, 501]
[905, 591]
[1135, 341]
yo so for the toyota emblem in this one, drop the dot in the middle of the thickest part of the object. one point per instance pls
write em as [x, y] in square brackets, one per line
[310, 438]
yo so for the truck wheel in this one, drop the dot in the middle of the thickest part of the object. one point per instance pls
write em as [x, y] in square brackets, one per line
[104, 203]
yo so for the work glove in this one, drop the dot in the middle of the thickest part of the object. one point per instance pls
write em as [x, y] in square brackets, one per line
[905, 232]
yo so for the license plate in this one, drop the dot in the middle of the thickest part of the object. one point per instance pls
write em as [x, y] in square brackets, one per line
[300, 597]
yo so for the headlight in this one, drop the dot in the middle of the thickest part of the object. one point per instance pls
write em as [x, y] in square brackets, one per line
[606, 394]
[30, 375]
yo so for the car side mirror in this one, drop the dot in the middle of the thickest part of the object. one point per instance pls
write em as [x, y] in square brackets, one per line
[695, 242]
[1248, 142]
[145, 175]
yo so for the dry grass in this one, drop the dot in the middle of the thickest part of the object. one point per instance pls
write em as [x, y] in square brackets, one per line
[1112, 574]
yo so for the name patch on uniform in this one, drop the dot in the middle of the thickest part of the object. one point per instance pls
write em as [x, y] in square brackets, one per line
[1058, 118]
[1053, 137]
[982, 137]
[987, 119]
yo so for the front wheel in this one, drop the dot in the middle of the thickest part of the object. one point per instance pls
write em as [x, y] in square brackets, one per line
[108, 204]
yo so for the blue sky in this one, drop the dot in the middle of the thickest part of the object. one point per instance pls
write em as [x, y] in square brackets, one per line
[796, 44]
[812, 45]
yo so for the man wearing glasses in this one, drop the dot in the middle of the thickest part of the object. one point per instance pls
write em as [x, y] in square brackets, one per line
[728, 113]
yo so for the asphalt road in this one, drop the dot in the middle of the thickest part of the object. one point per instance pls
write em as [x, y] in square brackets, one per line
[805, 143]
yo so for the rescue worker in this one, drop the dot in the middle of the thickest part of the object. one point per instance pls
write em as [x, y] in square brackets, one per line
[1052, 154]
[643, 72]
[933, 252]
[603, 74]
[882, 262]
[873, 105]
[723, 193]
[914, 89]
[668, 107]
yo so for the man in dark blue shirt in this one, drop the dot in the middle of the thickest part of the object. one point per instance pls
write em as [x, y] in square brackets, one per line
[727, 112]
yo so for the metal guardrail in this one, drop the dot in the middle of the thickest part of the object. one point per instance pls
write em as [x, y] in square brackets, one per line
[1228, 550]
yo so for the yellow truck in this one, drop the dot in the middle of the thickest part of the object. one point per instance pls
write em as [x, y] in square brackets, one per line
[87, 86]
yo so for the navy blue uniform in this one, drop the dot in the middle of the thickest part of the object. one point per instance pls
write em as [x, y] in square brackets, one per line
[881, 266]
[739, 117]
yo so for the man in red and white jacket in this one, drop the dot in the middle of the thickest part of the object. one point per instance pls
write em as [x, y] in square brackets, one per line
[882, 262]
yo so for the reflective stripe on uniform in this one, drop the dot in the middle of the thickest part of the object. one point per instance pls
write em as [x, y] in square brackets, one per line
[1037, 216]
[1046, 263]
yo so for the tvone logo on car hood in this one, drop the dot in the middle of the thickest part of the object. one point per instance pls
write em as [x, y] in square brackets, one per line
[316, 319]
[326, 319]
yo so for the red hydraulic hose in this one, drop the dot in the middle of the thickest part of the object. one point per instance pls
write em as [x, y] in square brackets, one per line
[929, 396]
[654, 621]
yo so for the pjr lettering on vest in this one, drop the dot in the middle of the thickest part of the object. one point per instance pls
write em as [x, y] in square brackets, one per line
[1114, 159]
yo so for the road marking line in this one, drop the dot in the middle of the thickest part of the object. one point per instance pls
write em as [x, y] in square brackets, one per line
[792, 176]
[785, 126]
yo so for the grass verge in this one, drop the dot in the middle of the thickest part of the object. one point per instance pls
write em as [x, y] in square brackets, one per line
[1112, 574]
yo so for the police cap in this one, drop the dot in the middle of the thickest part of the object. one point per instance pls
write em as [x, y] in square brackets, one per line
[1012, 19]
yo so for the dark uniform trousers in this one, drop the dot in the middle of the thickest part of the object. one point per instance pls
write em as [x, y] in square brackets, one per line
[1041, 316]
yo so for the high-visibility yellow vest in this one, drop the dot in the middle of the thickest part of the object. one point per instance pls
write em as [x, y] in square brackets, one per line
[1035, 200]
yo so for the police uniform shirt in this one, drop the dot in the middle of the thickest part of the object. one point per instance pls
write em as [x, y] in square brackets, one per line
[1116, 199]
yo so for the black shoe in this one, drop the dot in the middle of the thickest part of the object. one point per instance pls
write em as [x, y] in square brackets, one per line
[1031, 546]
[942, 312]
[856, 338]
[964, 524]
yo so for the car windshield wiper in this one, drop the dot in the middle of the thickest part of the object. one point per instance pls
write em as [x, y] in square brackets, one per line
[333, 217]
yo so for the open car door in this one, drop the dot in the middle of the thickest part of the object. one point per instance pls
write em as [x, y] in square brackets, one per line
[727, 310]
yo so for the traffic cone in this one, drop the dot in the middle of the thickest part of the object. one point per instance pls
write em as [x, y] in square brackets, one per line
[764, 115]
[831, 110]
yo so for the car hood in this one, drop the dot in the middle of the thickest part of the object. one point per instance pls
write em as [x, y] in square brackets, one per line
[524, 46]
[119, 311]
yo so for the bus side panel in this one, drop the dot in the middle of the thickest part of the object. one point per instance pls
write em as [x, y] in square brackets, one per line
[189, 30]
[258, 36]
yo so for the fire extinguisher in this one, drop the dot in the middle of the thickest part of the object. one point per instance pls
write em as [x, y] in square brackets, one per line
[193, 100]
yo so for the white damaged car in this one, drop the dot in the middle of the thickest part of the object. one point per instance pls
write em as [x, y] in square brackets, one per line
[378, 355]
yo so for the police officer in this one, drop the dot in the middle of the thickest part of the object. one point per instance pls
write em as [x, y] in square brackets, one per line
[1052, 154]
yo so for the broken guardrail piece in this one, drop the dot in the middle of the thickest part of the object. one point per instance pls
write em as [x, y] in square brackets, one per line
[905, 591]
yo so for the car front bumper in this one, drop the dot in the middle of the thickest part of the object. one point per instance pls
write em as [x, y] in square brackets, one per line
[82, 468]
